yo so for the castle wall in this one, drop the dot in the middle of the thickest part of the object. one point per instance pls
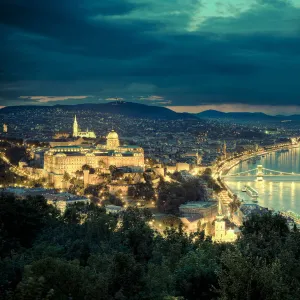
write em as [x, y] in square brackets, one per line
[61, 163]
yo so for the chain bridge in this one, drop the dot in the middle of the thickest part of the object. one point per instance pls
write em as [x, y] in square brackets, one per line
[260, 173]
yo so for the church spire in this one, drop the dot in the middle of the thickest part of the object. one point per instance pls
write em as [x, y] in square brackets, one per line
[220, 215]
[219, 208]
[75, 127]
[225, 149]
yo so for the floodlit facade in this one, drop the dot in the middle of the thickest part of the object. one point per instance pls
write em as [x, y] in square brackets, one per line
[221, 234]
[69, 159]
[78, 133]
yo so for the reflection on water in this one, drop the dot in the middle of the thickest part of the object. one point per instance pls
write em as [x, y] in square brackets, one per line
[279, 193]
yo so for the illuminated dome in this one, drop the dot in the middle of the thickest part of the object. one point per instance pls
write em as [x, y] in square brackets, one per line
[112, 141]
[112, 135]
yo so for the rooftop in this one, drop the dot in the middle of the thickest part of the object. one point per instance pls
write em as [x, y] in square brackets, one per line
[62, 147]
[198, 204]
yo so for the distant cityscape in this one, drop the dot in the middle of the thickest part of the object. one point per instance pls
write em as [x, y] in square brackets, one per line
[123, 160]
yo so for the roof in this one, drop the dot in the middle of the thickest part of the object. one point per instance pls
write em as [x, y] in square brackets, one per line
[112, 135]
[63, 147]
[199, 204]
[191, 219]
[71, 153]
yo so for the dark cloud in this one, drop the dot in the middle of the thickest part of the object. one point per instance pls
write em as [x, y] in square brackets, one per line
[144, 49]
[65, 23]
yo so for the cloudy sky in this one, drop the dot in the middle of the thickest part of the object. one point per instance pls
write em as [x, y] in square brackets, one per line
[190, 55]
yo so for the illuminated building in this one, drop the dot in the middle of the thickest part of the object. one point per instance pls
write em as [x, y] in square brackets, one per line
[78, 133]
[221, 234]
[225, 150]
[69, 159]
[5, 128]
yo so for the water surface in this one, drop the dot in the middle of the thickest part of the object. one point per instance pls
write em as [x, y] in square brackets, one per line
[280, 192]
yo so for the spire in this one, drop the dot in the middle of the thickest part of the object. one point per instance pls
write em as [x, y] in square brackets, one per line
[225, 149]
[75, 127]
[220, 213]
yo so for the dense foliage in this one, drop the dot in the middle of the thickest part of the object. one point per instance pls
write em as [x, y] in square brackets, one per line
[172, 194]
[88, 254]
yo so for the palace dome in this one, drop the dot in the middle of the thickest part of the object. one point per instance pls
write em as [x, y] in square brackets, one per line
[112, 135]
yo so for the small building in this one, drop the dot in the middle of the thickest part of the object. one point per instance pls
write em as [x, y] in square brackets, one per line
[5, 128]
[192, 222]
[113, 209]
[246, 210]
[63, 200]
[77, 132]
[182, 167]
[203, 208]
[223, 235]
[59, 200]
[195, 213]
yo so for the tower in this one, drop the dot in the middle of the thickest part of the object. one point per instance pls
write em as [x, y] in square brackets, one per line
[220, 231]
[112, 141]
[5, 128]
[75, 127]
[225, 149]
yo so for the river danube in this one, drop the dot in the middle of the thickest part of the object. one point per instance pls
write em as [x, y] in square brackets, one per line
[278, 193]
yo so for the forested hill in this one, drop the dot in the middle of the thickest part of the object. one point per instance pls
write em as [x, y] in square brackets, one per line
[128, 109]
[87, 254]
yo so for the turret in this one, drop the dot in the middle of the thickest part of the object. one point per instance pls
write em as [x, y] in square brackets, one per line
[75, 127]
[220, 224]
[225, 149]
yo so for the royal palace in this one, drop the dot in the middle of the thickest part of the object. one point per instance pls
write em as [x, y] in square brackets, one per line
[62, 159]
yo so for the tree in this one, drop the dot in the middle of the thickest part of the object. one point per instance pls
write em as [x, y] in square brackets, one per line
[94, 189]
[66, 177]
[171, 221]
[22, 220]
[88, 254]
[245, 278]
[234, 205]
[114, 200]
[170, 197]
[112, 168]
[196, 275]
[75, 213]
[85, 167]
[54, 278]
[142, 191]
[15, 154]
[78, 173]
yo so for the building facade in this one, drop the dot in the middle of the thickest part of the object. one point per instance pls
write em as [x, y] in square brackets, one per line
[69, 159]
[78, 133]
[223, 235]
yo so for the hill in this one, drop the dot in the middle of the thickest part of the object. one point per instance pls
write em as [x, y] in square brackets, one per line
[238, 116]
[128, 109]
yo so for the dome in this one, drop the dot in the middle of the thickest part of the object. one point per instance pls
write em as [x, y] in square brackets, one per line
[112, 135]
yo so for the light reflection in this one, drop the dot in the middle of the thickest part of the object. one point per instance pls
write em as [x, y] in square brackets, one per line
[280, 193]
[293, 192]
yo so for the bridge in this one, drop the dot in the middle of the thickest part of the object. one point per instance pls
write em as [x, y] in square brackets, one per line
[260, 173]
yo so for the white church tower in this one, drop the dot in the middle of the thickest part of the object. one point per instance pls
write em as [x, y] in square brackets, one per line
[220, 230]
[221, 234]
[75, 127]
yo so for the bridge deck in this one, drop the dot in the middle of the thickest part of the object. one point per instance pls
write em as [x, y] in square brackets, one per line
[266, 178]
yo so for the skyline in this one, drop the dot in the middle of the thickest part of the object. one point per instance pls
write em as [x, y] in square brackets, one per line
[184, 55]
[225, 108]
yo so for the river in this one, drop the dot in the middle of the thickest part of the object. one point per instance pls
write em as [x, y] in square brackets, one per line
[278, 193]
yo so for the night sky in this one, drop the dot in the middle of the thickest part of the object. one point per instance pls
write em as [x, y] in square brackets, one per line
[190, 55]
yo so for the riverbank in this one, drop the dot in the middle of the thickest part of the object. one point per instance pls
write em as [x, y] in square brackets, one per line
[278, 195]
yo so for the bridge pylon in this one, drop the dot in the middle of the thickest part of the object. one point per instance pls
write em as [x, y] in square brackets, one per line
[260, 173]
